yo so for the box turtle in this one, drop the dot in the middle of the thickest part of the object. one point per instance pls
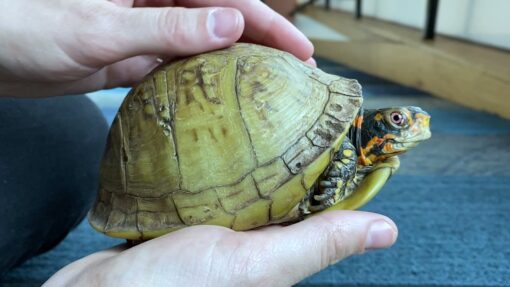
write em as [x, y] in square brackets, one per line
[244, 137]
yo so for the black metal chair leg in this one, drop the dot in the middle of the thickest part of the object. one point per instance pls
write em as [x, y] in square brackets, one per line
[358, 9]
[430, 26]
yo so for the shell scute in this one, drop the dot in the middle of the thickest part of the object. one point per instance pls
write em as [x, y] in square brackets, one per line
[143, 175]
[301, 154]
[286, 197]
[234, 198]
[336, 117]
[270, 176]
[252, 216]
[277, 115]
[159, 222]
[200, 208]
[213, 128]
[347, 87]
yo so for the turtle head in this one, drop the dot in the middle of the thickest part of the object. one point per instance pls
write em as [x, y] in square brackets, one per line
[383, 133]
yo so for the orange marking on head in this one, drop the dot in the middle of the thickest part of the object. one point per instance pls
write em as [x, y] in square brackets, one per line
[363, 160]
[371, 158]
[388, 148]
[381, 158]
[378, 117]
[370, 145]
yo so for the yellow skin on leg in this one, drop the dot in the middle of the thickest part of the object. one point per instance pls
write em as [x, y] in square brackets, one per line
[338, 181]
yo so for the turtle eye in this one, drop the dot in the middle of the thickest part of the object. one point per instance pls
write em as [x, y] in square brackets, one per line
[397, 118]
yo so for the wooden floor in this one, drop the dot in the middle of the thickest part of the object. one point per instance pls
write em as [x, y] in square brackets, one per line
[468, 74]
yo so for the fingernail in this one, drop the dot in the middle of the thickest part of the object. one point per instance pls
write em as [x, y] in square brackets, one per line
[224, 22]
[311, 62]
[380, 235]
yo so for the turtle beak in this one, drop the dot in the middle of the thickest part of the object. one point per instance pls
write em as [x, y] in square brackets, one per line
[420, 129]
[423, 122]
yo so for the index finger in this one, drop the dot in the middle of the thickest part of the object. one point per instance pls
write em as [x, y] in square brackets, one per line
[264, 26]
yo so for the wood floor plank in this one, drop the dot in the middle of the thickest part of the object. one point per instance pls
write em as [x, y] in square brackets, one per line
[472, 75]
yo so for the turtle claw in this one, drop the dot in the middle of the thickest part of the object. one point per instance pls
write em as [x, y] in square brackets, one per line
[320, 207]
[325, 199]
[328, 194]
[327, 183]
[315, 208]
[336, 180]
[329, 189]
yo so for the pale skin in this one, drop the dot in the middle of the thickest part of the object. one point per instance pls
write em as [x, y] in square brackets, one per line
[52, 47]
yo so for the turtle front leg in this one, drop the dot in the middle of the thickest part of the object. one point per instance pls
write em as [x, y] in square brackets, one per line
[337, 182]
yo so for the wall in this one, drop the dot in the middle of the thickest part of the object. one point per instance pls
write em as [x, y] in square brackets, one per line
[482, 21]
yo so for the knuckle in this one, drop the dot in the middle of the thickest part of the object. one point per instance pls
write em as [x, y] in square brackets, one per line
[94, 25]
[178, 29]
[339, 241]
[171, 27]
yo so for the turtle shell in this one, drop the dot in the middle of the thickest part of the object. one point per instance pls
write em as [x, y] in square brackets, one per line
[234, 137]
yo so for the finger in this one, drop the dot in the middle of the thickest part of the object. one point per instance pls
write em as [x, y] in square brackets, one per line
[121, 74]
[144, 3]
[264, 26]
[73, 270]
[124, 3]
[180, 31]
[165, 31]
[297, 251]
[311, 62]
[127, 72]
[153, 3]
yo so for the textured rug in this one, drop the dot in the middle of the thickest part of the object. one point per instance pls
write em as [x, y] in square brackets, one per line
[450, 199]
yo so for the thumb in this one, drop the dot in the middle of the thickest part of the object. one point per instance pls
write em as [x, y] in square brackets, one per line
[174, 31]
[313, 244]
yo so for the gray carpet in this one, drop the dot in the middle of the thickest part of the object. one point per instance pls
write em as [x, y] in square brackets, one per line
[450, 199]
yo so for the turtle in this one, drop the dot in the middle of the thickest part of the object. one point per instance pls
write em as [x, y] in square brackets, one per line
[244, 137]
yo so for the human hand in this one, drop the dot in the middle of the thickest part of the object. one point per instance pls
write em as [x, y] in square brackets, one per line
[217, 256]
[54, 47]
